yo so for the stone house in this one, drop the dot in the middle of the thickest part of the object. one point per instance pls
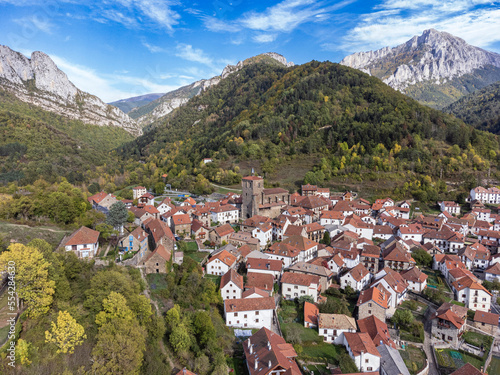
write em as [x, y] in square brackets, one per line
[157, 260]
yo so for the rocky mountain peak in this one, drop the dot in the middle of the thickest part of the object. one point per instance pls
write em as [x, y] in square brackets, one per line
[435, 56]
[38, 80]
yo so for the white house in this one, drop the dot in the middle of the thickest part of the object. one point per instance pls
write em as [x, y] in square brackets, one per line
[250, 312]
[220, 263]
[296, 285]
[84, 243]
[225, 214]
[362, 350]
[472, 294]
[357, 278]
[416, 279]
[491, 195]
[231, 285]
[272, 267]
[333, 326]
[411, 232]
[394, 283]
[138, 191]
[264, 233]
[492, 273]
[451, 207]
[308, 248]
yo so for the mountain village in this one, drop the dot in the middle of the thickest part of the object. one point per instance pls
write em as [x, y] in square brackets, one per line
[271, 251]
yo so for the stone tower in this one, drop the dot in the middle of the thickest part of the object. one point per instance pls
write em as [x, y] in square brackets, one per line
[252, 186]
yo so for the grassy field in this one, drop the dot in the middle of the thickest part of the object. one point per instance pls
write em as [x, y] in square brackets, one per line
[322, 352]
[24, 234]
[477, 339]
[215, 279]
[494, 367]
[414, 359]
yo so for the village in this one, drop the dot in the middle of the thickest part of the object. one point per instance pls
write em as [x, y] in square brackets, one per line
[302, 275]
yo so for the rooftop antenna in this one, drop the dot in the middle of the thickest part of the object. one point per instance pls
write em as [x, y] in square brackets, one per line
[253, 172]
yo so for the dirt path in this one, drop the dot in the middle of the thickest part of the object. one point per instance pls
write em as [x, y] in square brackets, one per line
[41, 228]
[223, 187]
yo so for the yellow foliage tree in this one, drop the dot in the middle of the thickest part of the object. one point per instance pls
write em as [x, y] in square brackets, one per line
[115, 306]
[33, 286]
[66, 334]
[22, 351]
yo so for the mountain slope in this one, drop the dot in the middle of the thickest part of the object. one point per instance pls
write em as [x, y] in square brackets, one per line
[128, 104]
[38, 81]
[36, 143]
[480, 109]
[161, 107]
[342, 120]
[435, 68]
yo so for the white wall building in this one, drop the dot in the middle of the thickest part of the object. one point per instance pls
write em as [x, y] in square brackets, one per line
[250, 312]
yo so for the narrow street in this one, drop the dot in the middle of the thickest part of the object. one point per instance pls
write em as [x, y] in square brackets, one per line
[428, 348]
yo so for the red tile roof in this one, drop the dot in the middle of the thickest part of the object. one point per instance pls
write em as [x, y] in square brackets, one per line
[224, 230]
[467, 369]
[267, 352]
[264, 264]
[233, 276]
[414, 275]
[83, 236]
[299, 279]
[260, 280]
[311, 312]
[376, 294]
[486, 317]
[225, 257]
[161, 251]
[249, 304]
[361, 343]
[181, 219]
[377, 330]
[359, 272]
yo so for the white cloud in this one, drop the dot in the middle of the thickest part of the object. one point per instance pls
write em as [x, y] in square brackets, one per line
[159, 11]
[187, 52]
[152, 48]
[396, 21]
[111, 87]
[217, 25]
[265, 38]
[39, 21]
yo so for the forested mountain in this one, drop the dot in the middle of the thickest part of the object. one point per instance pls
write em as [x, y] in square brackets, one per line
[36, 143]
[480, 109]
[435, 68]
[150, 112]
[126, 105]
[350, 123]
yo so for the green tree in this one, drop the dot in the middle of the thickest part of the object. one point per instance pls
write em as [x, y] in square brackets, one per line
[118, 215]
[66, 333]
[403, 318]
[180, 338]
[326, 238]
[119, 348]
[114, 307]
[203, 327]
[33, 285]
[422, 257]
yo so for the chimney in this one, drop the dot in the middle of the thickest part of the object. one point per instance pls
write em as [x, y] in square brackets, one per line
[184, 370]
[256, 364]
[269, 345]
[249, 344]
[269, 364]
[251, 349]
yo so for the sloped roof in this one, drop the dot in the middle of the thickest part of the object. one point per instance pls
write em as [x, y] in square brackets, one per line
[264, 264]
[233, 276]
[268, 348]
[414, 275]
[486, 317]
[225, 257]
[336, 321]
[311, 312]
[254, 290]
[159, 229]
[467, 369]
[161, 251]
[494, 269]
[377, 330]
[249, 304]
[359, 272]
[300, 242]
[377, 294]
[260, 280]
[299, 279]
[393, 362]
[224, 230]
[361, 343]
[83, 236]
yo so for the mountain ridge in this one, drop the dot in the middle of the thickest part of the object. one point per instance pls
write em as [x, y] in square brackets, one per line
[164, 105]
[433, 58]
[38, 81]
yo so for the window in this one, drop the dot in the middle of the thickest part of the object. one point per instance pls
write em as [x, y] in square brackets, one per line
[369, 311]
[73, 247]
[296, 287]
[369, 369]
[366, 361]
[370, 304]
[325, 331]
[256, 313]
[245, 316]
[450, 338]
[256, 320]
[235, 314]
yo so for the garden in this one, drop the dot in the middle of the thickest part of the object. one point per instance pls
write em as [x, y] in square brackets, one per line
[190, 250]
[409, 320]
[414, 359]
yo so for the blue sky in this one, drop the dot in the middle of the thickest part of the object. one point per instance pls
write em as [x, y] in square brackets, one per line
[124, 48]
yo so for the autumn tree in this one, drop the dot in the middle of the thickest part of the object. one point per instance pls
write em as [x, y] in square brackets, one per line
[121, 340]
[66, 333]
[33, 286]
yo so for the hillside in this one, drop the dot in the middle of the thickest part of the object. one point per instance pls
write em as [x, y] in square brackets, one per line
[38, 81]
[128, 104]
[435, 68]
[480, 109]
[36, 143]
[335, 120]
[161, 107]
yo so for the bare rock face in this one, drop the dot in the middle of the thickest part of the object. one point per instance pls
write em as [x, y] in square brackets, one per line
[39, 81]
[433, 56]
[172, 100]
